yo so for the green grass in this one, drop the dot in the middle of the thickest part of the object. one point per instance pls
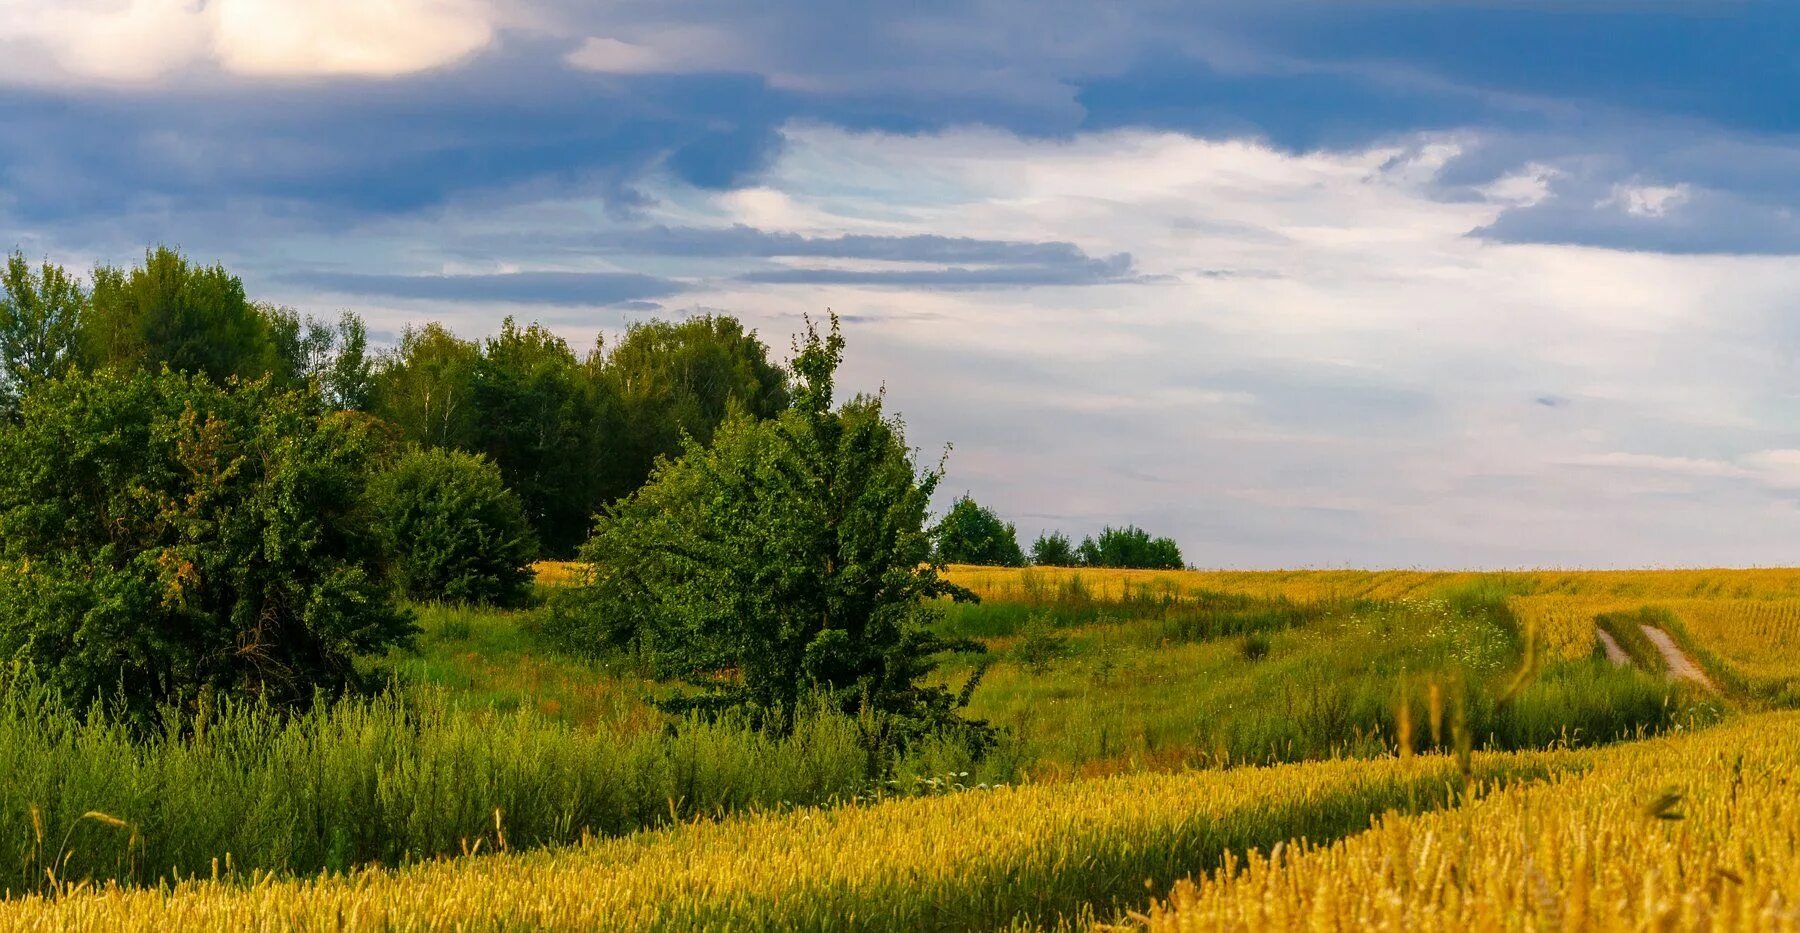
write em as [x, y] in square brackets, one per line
[1125, 695]
[1626, 628]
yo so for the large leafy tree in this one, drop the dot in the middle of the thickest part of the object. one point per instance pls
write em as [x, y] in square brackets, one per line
[188, 317]
[41, 313]
[547, 424]
[426, 387]
[162, 536]
[683, 379]
[973, 534]
[788, 557]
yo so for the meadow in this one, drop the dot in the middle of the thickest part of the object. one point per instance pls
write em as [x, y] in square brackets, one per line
[1177, 749]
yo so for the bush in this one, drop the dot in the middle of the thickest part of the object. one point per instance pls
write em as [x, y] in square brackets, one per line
[1130, 547]
[453, 531]
[1040, 644]
[163, 536]
[970, 534]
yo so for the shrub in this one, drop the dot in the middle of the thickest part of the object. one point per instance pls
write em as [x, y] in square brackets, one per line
[1254, 647]
[1040, 645]
[971, 534]
[453, 531]
[163, 536]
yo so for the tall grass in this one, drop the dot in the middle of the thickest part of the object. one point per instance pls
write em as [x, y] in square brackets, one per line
[963, 861]
[388, 780]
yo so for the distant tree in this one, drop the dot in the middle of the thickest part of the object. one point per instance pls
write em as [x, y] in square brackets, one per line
[1129, 547]
[170, 312]
[548, 426]
[162, 536]
[1052, 549]
[789, 557]
[426, 387]
[684, 378]
[41, 313]
[332, 360]
[452, 529]
[971, 534]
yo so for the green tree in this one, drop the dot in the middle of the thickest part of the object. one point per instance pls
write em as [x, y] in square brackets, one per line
[676, 379]
[787, 558]
[971, 534]
[546, 423]
[426, 387]
[333, 360]
[190, 318]
[1129, 547]
[1052, 549]
[41, 313]
[162, 536]
[452, 529]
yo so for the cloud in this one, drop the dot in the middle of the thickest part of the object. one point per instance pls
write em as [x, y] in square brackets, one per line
[140, 41]
[532, 288]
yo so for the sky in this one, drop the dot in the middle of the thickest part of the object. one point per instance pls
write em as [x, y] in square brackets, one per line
[1297, 282]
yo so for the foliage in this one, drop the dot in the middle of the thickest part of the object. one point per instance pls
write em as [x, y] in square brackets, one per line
[1052, 549]
[190, 318]
[1130, 547]
[546, 422]
[41, 313]
[1040, 645]
[164, 537]
[452, 530]
[788, 556]
[971, 534]
[426, 386]
[677, 379]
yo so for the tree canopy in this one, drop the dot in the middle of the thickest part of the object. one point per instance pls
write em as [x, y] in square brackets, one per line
[1129, 547]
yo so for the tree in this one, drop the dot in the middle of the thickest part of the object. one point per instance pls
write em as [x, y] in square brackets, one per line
[190, 318]
[971, 534]
[547, 426]
[426, 387]
[452, 529]
[676, 379]
[1130, 547]
[787, 558]
[41, 313]
[1051, 549]
[162, 536]
[333, 361]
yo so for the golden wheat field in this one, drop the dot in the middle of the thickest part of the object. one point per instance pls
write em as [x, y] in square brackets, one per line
[1694, 831]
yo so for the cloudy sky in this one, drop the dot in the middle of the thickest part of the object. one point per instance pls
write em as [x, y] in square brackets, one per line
[1299, 282]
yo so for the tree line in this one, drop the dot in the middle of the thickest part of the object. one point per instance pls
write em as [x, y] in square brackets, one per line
[203, 495]
[568, 431]
[971, 533]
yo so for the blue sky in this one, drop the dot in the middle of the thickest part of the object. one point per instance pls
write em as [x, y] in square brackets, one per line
[1298, 282]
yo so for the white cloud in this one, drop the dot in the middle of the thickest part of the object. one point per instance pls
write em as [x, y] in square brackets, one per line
[1646, 200]
[138, 41]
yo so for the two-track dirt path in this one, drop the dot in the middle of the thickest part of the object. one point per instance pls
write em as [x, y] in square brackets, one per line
[1680, 665]
[1614, 653]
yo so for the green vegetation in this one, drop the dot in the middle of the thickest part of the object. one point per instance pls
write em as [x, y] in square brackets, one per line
[790, 557]
[452, 530]
[164, 538]
[971, 534]
[1131, 547]
[1052, 549]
